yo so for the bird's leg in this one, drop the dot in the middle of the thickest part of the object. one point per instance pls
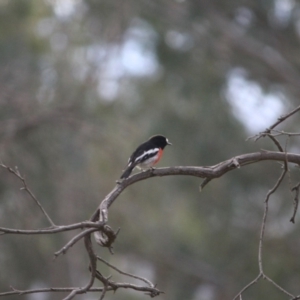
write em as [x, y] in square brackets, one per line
[152, 169]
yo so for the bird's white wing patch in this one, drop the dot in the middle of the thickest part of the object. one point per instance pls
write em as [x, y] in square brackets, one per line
[151, 152]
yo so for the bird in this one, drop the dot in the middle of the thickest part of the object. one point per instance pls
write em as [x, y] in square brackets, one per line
[147, 154]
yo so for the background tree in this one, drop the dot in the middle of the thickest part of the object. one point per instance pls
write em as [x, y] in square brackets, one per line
[84, 82]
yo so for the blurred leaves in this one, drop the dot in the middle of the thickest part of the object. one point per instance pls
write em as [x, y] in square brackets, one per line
[82, 83]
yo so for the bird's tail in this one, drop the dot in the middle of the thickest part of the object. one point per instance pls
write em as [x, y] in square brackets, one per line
[128, 171]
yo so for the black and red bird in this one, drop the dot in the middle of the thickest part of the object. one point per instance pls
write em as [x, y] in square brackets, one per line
[147, 154]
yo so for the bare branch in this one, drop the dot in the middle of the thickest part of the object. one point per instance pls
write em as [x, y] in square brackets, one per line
[248, 286]
[98, 223]
[151, 291]
[73, 241]
[281, 132]
[46, 290]
[261, 237]
[93, 266]
[29, 192]
[278, 286]
[279, 120]
[283, 118]
[125, 273]
[275, 141]
[80, 291]
[209, 173]
[52, 230]
[204, 183]
[104, 291]
[263, 225]
[296, 201]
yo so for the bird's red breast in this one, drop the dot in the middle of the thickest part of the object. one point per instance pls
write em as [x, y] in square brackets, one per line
[159, 155]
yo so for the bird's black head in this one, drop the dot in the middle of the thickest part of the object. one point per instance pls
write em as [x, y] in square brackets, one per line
[159, 141]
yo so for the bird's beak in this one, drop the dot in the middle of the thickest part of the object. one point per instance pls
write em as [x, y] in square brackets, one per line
[169, 143]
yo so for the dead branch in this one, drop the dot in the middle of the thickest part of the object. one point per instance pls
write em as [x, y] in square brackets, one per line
[209, 173]
[51, 230]
[262, 274]
[29, 192]
[105, 235]
[279, 121]
[296, 201]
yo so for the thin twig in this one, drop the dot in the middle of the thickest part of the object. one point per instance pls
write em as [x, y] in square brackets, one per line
[125, 273]
[204, 183]
[116, 285]
[279, 120]
[281, 132]
[151, 291]
[296, 202]
[278, 286]
[73, 241]
[261, 238]
[93, 266]
[45, 290]
[105, 287]
[248, 286]
[52, 230]
[275, 142]
[29, 192]
[262, 231]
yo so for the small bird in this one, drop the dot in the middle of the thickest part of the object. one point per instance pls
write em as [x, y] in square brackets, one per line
[147, 154]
